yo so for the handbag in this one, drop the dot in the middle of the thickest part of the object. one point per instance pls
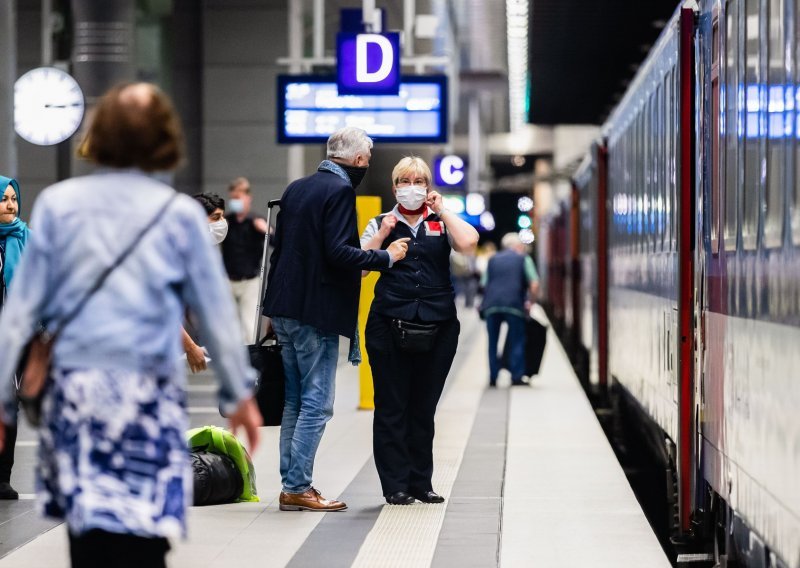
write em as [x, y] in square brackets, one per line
[38, 354]
[414, 337]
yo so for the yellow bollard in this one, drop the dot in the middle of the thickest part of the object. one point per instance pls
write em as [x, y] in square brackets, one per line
[367, 207]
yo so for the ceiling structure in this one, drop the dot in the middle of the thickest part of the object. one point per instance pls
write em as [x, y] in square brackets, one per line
[583, 54]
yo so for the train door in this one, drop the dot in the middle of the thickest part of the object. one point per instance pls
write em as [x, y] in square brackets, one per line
[686, 273]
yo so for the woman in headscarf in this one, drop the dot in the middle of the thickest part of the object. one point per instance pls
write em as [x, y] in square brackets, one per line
[13, 236]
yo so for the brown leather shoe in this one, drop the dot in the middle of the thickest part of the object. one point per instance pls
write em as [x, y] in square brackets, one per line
[311, 500]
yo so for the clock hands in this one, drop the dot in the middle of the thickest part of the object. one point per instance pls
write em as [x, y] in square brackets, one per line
[62, 106]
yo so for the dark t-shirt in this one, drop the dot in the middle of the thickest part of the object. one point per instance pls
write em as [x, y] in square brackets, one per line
[242, 248]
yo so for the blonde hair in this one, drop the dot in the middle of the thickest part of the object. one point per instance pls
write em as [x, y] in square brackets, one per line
[411, 164]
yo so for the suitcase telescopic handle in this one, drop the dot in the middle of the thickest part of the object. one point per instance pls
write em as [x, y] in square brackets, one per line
[262, 289]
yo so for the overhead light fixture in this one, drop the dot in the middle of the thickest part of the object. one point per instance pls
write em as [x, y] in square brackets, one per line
[517, 35]
[476, 204]
[526, 236]
[487, 221]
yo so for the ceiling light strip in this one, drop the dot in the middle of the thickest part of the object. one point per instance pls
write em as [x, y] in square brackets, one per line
[517, 32]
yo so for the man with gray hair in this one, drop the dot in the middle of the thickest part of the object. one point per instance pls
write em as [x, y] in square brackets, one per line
[312, 297]
[509, 278]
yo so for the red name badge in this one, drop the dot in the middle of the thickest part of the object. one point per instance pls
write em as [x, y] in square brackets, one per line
[434, 228]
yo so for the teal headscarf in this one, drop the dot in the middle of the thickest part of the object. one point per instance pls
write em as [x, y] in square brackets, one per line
[13, 235]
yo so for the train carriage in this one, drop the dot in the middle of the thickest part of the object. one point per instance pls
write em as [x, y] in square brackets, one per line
[701, 165]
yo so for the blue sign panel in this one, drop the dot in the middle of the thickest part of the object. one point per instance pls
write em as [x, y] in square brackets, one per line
[449, 171]
[368, 63]
[310, 109]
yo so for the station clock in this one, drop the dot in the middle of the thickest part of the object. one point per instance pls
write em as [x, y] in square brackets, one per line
[48, 106]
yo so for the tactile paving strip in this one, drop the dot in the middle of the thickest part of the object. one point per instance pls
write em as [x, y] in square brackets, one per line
[405, 536]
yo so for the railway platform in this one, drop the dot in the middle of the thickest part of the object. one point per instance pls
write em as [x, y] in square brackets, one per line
[529, 477]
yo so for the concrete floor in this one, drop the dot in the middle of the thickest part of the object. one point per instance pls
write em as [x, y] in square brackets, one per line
[529, 476]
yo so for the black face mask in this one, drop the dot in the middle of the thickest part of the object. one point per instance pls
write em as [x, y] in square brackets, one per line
[355, 174]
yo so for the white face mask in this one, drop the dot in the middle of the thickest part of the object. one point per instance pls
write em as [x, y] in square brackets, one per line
[236, 205]
[219, 229]
[411, 196]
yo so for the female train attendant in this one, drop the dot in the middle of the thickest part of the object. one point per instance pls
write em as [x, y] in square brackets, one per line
[13, 236]
[412, 330]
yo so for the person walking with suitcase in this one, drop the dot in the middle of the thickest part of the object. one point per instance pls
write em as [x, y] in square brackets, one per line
[509, 278]
[312, 297]
[115, 258]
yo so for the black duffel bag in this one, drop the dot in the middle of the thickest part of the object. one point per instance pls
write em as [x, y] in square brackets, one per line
[270, 390]
[217, 480]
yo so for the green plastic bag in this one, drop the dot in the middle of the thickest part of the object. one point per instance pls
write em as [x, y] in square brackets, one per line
[218, 440]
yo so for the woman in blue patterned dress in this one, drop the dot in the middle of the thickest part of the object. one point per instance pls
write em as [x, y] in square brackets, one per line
[112, 457]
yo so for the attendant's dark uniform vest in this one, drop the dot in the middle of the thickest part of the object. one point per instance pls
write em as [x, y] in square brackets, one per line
[506, 285]
[419, 286]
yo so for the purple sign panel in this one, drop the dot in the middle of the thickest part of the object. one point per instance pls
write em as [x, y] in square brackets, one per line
[368, 64]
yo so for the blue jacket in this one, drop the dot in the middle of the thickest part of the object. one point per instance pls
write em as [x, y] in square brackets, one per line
[315, 267]
[134, 321]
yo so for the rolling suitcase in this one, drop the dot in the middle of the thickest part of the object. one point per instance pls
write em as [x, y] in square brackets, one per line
[265, 353]
[535, 342]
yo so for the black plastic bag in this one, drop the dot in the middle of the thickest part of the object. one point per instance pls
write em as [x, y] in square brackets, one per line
[217, 480]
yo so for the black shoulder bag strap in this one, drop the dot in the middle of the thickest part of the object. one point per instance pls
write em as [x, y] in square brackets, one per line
[112, 267]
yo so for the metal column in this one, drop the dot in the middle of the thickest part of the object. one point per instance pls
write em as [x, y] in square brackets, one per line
[8, 74]
[295, 162]
[103, 53]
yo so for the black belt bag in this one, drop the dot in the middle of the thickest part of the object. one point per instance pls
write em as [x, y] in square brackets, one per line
[414, 337]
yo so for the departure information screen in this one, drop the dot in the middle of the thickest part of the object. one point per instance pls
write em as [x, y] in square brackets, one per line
[310, 109]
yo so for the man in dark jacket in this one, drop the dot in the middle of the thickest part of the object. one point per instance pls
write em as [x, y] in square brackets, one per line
[312, 296]
[508, 280]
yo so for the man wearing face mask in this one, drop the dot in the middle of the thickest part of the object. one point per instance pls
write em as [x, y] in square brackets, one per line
[242, 251]
[312, 296]
[214, 207]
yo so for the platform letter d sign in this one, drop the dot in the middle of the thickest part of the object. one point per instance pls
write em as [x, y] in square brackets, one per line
[363, 75]
[368, 64]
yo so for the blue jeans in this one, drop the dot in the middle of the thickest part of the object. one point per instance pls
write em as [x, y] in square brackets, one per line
[309, 360]
[515, 343]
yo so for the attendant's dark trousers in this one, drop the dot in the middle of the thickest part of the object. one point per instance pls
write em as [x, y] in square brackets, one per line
[407, 390]
[101, 549]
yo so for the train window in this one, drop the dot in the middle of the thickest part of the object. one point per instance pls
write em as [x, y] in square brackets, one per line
[667, 155]
[776, 140]
[793, 131]
[715, 134]
[661, 178]
[676, 106]
[650, 174]
[753, 165]
[644, 185]
[732, 126]
[636, 155]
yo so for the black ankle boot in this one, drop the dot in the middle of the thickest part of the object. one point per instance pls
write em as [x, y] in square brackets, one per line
[7, 492]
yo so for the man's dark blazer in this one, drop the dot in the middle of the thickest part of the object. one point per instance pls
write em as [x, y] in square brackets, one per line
[315, 267]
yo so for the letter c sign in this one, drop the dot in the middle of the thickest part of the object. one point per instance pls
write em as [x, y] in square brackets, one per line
[368, 63]
[449, 171]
